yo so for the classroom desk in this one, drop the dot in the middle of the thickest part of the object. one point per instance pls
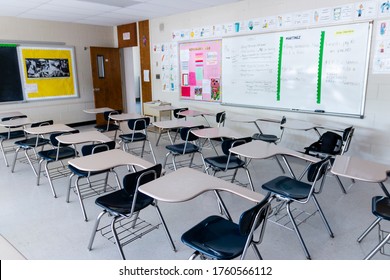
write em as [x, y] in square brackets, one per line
[97, 110]
[194, 113]
[125, 117]
[83, 137]
[362, 170]
[306, 126]
[47, 129]
[108, 160]
[264, 150]
[216, 132]
[254, 120]
[167, 126]
[10, 114]
[8, 134]
[187, 183]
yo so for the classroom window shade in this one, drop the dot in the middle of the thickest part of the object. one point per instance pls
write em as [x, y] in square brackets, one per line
[320, 70]
[200, 70]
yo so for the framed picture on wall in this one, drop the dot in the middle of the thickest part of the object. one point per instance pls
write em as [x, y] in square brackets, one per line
[48, 72]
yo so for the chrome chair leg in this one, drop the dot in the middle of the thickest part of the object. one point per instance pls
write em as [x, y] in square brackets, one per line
[69, 187]
[368, 230]
[297, 230]
[323, 217]
[3, 152]
[76, 184]
[15, 157]
[49, 179]
[340, 184]
[152, 152]
[92, 238]
[115, 234]
[378, 247]
[165, 226]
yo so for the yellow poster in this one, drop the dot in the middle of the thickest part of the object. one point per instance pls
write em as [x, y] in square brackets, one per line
[48, 72]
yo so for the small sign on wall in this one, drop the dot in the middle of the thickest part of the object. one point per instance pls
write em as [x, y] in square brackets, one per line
[126, 36]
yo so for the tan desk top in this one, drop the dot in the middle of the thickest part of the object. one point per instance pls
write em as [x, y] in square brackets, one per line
[46, 129]
[125, 117]
[10, 114]
[16, 122]
[83, 137]
[97, 110]
[217, 132]
[175, 123]
[107, 160]
[194, 113]
[187, 183]
[360, 169]
[261, 150]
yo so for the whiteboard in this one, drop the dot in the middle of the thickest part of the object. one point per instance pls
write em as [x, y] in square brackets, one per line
[319, 70]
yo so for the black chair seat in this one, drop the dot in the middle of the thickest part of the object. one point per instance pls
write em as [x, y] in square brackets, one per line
[133, 137]
[51, 155]
[104, 127]
[12, 135]
[211, 235]
[288, 187]
[265, 137]
[179, 148]
[381, 207]
[220, 162]
[120, 202]
[32, 142]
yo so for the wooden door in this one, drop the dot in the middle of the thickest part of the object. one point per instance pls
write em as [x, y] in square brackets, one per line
[106, 76]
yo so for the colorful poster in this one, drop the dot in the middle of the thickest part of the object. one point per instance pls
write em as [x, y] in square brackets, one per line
[166, 58]
[200, 70]
[381, 63]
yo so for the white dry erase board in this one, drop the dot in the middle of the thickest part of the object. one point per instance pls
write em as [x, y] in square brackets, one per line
[319, 70]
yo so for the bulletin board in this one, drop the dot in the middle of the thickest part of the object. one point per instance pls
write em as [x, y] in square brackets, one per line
[48, 72]
[200, 71]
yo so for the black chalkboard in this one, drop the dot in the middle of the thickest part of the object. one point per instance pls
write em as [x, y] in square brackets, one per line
[10, 82]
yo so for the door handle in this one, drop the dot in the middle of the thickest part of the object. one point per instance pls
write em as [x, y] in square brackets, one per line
[96, 89]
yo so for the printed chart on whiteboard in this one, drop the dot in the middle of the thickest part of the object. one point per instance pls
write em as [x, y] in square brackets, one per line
[200, 71]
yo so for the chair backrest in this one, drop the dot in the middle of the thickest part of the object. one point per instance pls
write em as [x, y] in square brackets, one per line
[329, 143]
[186, 135]
[107, 114]
[230, 143]
[138, 124]
[253, 217]
[347, 138]
[177, 111]
[317, 170]
[220, 118]
[97, 148]
[13, 118]
[54, 142]
[42, 123]
[132, 181]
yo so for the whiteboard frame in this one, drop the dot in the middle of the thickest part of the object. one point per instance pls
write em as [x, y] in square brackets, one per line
[364, 87]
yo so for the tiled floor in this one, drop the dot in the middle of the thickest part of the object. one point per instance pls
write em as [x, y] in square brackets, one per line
[43, 227]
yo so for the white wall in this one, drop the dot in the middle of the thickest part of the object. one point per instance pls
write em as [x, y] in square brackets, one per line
[372, 132]
[80, 36]
[131, 59]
